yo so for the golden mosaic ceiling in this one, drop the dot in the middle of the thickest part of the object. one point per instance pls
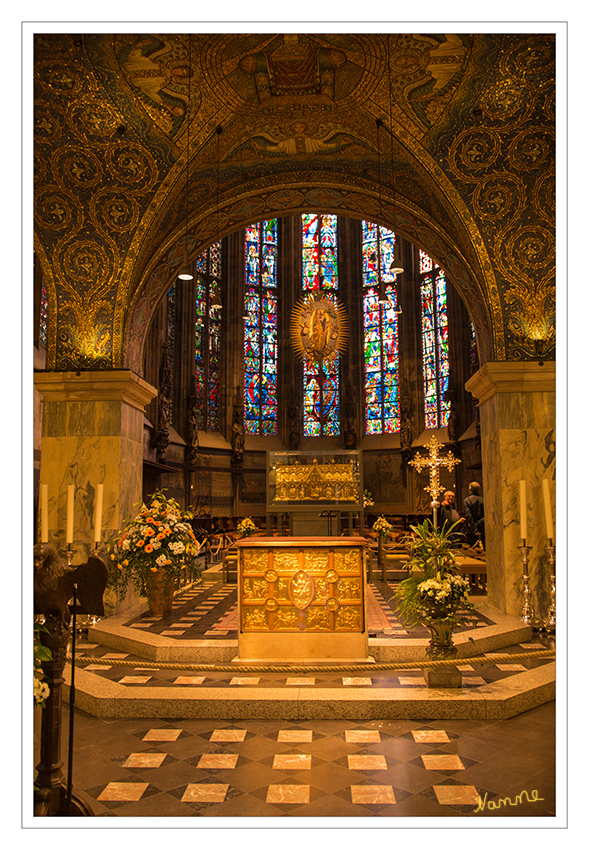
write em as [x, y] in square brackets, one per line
[467, 120]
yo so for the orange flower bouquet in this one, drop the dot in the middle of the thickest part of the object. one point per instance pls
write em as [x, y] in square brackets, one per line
[158, 544]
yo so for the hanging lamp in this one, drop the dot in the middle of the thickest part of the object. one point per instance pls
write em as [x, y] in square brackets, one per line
[216, 303]
[185, 272]
[395, 269]
[383, 298]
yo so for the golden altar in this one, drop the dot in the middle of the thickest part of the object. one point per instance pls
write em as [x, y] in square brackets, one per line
[302, 599]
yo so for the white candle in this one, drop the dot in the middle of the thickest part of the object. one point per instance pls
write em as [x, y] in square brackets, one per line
[98, 512]
[44, 514]
[523, 513]
[69, 529]
[547, 509]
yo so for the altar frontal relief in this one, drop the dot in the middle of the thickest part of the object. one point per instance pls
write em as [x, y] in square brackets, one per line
[310, 589]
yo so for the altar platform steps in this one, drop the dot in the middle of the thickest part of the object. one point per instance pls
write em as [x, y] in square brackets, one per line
[145, 668]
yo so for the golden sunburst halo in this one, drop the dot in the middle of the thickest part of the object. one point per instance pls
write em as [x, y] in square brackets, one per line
[319, 327]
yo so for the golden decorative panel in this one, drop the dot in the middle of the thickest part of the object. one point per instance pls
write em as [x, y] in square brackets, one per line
[325, 482]
[301, 588]
[255, 561]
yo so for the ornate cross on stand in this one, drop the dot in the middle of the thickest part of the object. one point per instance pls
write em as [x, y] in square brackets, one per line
[434, 462]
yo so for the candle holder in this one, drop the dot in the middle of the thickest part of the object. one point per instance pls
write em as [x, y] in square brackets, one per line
[550, 622]
[527, 613]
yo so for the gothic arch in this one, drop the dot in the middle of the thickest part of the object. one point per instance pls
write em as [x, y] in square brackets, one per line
[472, 277]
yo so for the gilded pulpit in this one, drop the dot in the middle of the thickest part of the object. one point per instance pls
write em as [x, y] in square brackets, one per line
[302, 599]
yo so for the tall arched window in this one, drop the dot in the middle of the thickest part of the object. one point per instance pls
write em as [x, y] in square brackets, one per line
[434, 336]
[381, 341]
[321, 384]
[260, 329]
[207, 338]
[167, 398]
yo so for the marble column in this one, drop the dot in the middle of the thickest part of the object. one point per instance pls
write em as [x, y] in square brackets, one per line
[517, 403]
[92, 433]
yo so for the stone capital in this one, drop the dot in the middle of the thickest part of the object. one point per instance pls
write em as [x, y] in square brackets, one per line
[512, 377]
[120, 385]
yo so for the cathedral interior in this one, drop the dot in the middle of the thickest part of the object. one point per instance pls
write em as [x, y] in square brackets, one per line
[192, 192]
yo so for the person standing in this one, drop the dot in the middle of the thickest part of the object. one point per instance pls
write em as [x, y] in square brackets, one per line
[474, 514]
[447, 513]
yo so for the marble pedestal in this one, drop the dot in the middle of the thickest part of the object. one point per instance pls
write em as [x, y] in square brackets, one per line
[517, 403]
[92, 433]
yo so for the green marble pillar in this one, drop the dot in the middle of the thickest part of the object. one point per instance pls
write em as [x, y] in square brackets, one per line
[517, 403]
[92, 433]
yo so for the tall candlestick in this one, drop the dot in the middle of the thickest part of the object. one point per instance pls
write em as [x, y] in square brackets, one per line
[98, 512]
[69, 529]
[44, 514]
[547, 509]
[523, 513]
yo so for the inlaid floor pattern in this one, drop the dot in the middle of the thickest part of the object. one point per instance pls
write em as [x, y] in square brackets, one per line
[200, 612]
[343, 768]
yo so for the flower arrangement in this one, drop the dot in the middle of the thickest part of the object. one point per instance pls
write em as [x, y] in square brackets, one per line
[383, 526]
[437, 592]
[41, 653]
[246, 527]
[368, 500]
[159, 540]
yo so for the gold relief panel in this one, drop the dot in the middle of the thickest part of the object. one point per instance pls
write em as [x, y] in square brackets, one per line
[316, 562]
[322, 587]
[254, 560]
[286, 562]
[281, 589]
[348, 589]
[348, 619]
[255, 619]
[347, 561]
[317, 619]
[286, 618]
[255, 589]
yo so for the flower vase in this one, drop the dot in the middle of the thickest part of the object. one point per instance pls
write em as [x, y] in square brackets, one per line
[439, 621]
[160, 595]
[441, 644]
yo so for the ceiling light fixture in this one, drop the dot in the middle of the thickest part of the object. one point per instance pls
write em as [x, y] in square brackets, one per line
[216, 303]
[395, 269]
[383, 298]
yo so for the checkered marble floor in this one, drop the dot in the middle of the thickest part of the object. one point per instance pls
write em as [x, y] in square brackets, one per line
[136, 673]
[340, 768]
[202, 610]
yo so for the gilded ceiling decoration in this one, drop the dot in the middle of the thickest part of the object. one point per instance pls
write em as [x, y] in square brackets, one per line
[473, 123]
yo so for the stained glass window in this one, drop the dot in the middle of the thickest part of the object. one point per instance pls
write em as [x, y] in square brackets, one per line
[321, 382]
[260, 329]
[426, 264]
[170, 345]
[434, 334]
[474, 355]
[207, 338]
[381, 339]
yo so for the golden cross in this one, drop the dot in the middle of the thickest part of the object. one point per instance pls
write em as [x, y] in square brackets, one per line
[434, 462]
